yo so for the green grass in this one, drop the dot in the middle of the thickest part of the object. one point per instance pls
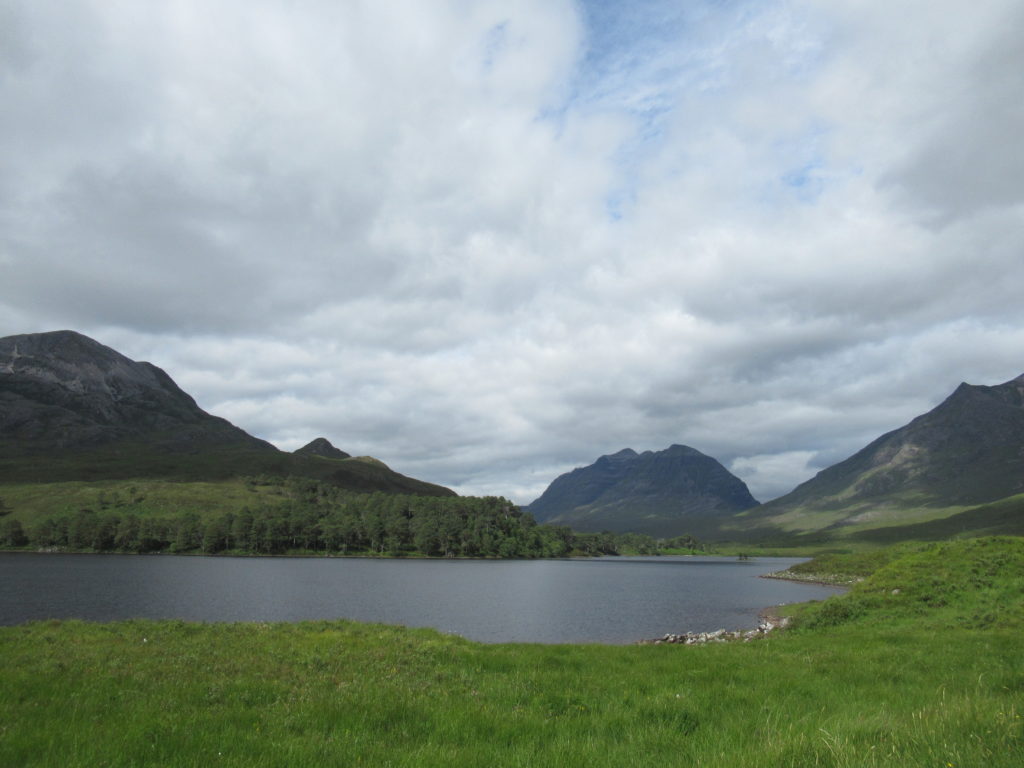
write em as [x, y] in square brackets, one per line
[913, 682]
[1003, 517]
[142, 693]
[31, 502]
[974, 584]
[849, 567]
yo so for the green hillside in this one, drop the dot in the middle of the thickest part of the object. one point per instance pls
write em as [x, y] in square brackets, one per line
[970, 584]
[956, 470]
[135, 460]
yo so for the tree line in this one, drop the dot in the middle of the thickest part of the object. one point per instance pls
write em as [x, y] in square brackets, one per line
[313, 517]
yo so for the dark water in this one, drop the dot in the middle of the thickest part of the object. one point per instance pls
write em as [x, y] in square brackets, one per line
[605, 600]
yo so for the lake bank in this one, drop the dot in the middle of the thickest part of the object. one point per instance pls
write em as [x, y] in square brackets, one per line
[928, 675]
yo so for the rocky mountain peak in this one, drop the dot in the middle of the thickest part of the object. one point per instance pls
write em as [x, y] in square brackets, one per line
[321, 446]
[669, 492]
[62, 389]
[681, 450]
[80, 366]
[619, 457]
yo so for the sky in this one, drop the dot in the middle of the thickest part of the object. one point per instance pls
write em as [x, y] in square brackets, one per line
[489, 241]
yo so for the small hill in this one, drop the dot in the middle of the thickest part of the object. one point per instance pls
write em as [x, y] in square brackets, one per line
[73, 409]
[322, 447]
[942, 466]
[973, 583]
[665, 493]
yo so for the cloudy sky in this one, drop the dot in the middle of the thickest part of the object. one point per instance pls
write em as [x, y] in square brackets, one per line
[488, 241]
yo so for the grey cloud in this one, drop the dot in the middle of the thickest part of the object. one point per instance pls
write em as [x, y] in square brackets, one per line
[15, 50]
[344, 224]
[141, 248]
[970, 159]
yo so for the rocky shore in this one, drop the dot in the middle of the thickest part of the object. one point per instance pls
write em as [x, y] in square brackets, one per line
[765, 625]
[768, 621]
[824, 579]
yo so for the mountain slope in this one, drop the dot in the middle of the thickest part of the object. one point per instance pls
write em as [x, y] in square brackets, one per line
[672, 492]
[74, 409]
[966, 452]
[64, 390]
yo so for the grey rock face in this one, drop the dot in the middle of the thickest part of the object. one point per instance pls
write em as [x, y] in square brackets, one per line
[63, 389]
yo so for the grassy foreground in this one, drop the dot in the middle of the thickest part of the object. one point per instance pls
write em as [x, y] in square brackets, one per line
[932, 675]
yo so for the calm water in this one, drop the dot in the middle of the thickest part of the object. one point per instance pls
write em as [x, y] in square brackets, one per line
[605, 600]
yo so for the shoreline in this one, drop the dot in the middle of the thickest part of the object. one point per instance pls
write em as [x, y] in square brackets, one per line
[769, 618]
[819, 579]
[767, 622]
[295, 555]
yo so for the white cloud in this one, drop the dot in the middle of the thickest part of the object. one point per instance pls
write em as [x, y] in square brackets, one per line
[777, 473]
[488, 242]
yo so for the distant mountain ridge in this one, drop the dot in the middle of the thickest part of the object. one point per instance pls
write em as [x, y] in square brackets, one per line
[664, 493]
[967, 451]
[74, 409]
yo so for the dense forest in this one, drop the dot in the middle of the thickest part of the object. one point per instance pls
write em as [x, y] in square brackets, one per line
[312, 517]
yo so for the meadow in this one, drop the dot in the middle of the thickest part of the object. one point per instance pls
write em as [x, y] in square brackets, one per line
[919, 664]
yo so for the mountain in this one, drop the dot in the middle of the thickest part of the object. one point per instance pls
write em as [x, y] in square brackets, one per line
[74, 409]
[666, 493]
[322, 447]
[966, 452]
[63, 390]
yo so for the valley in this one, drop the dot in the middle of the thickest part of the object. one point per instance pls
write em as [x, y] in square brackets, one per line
[916, 665]
[87, 434]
